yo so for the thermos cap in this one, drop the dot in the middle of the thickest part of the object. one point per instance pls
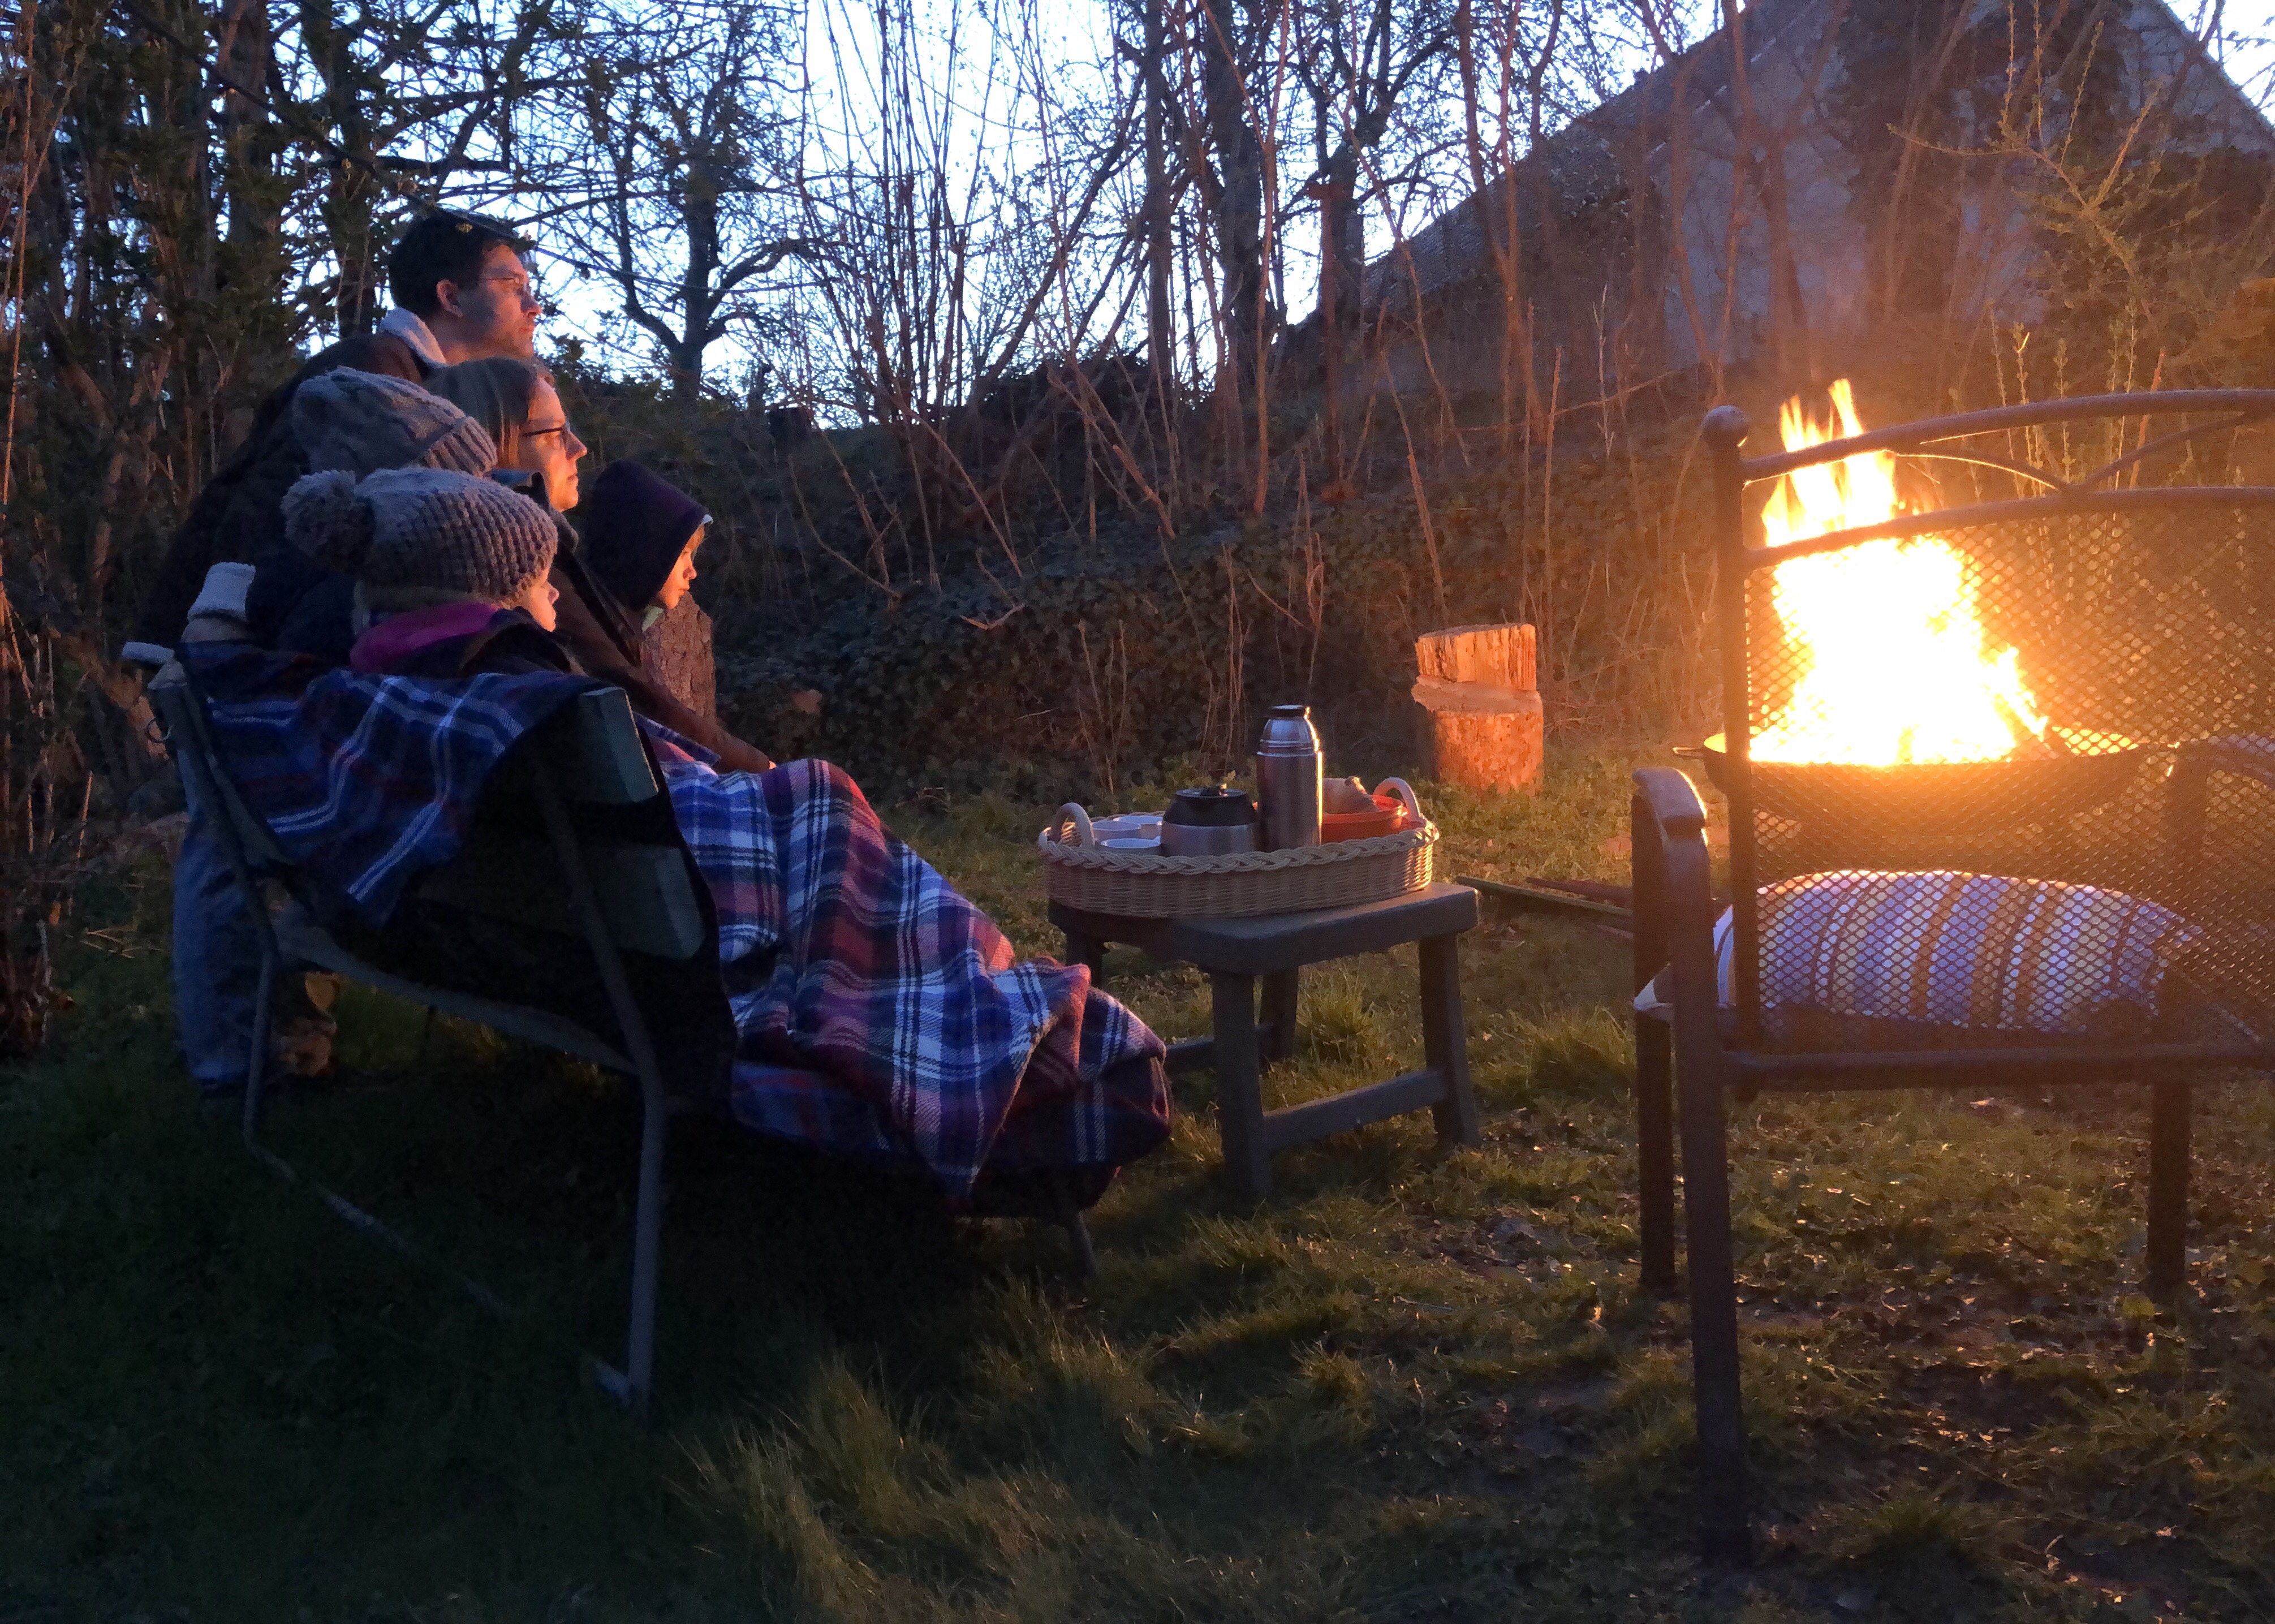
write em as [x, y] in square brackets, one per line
[1288, 731]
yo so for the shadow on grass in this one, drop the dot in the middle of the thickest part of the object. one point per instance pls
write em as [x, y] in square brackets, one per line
[1413, 1385]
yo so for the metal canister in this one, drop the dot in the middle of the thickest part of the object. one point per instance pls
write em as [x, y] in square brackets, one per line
[1207, 823]
[1287, 770]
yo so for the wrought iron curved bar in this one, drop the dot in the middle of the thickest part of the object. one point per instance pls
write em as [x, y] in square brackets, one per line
[1908, 525]
[2178, 436]
[2083, 482]
[2245, 406]
[1991, 459]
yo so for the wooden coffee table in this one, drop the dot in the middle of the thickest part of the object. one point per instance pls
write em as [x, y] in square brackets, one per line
[1235, 954]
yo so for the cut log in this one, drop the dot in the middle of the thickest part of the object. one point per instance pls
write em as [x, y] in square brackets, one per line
[1496, 656]
[1482, 746]
[1481, 718]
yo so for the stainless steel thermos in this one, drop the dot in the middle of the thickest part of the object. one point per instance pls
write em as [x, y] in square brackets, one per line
[1288, 771]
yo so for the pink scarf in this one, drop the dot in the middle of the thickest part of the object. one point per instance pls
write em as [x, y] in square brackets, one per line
[400, 637]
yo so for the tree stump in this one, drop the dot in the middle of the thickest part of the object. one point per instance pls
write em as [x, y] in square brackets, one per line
[677, 649]
[1481, 716]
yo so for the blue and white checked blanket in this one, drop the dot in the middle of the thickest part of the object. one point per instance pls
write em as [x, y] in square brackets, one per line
[1959, 949]
[367, 781]
[1939, 947]
[878, 1012]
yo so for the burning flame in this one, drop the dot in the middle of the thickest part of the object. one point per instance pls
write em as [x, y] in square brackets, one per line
[1896, 667]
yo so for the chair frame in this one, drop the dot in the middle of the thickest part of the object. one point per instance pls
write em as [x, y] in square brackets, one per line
[1685, 1066]
[604, 737]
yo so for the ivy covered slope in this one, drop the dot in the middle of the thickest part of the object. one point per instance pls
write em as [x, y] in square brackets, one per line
[1085, 655]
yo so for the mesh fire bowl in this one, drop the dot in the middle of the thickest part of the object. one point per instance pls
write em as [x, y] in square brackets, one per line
[1921, 797]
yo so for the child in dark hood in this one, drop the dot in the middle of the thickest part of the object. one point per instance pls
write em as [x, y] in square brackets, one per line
[640, 536]
[518, 404]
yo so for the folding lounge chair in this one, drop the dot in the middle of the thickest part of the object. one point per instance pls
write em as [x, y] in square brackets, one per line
[573, 850]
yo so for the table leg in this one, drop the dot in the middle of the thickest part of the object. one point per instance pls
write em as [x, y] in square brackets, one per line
[1083, 950]
[1445, 1041]
[1239, 1086]
[1280, 1013]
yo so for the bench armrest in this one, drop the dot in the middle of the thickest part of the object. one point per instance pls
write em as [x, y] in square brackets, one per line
[1673, 800]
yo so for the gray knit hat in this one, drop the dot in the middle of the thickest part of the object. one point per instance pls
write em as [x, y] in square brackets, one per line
[413, 536]
[364, 421]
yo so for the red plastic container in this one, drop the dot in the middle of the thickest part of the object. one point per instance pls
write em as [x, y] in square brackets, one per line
[1388, 818]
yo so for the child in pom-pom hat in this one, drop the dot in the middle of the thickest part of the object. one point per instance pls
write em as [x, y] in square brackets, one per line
[452, 573]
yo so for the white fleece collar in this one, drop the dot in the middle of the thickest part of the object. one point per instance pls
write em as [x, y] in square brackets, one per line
[402, 324]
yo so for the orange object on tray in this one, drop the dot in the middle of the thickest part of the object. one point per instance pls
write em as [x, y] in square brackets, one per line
[1391, 813]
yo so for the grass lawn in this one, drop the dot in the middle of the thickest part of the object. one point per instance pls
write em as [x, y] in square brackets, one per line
[1410, 1386]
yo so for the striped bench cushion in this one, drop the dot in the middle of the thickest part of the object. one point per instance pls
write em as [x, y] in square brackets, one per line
[1939, 949]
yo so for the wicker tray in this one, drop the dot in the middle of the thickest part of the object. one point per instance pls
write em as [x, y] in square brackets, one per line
[1238, 885]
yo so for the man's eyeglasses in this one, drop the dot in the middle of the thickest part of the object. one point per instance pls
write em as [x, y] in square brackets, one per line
[521, 287]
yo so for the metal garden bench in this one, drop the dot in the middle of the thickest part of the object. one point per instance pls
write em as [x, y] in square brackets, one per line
[2094, 901]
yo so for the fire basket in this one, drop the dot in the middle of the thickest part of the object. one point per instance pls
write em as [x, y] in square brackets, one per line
[1910, 796]
[2002, 776]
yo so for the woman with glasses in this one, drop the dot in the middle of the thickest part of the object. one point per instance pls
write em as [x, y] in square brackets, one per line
[517, 402]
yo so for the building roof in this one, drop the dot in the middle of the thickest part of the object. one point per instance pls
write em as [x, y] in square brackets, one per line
[1579, 166]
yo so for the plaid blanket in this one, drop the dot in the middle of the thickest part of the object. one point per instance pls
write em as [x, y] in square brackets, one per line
[365, 780]
[880, 1013]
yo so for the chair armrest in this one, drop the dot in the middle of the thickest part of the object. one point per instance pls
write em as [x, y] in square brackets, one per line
[1673, 800]
[2242, 755]
[1673, 879]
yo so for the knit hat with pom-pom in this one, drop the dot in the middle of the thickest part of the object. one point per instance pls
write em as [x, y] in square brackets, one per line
[415, 536]
[364, 421]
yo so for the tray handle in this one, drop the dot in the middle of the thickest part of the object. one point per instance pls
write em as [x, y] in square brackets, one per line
[1404, 791]
[1073, 812]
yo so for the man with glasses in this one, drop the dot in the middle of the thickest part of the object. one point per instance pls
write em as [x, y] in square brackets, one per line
[461, 291]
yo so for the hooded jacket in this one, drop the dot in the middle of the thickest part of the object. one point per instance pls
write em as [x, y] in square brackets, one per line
[236, 518]
[637, 524]
[606, 641]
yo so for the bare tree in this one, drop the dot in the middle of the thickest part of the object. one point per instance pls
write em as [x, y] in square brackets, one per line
[1234, 42]
[1359, 63]
[685, 142]
[391, 106]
